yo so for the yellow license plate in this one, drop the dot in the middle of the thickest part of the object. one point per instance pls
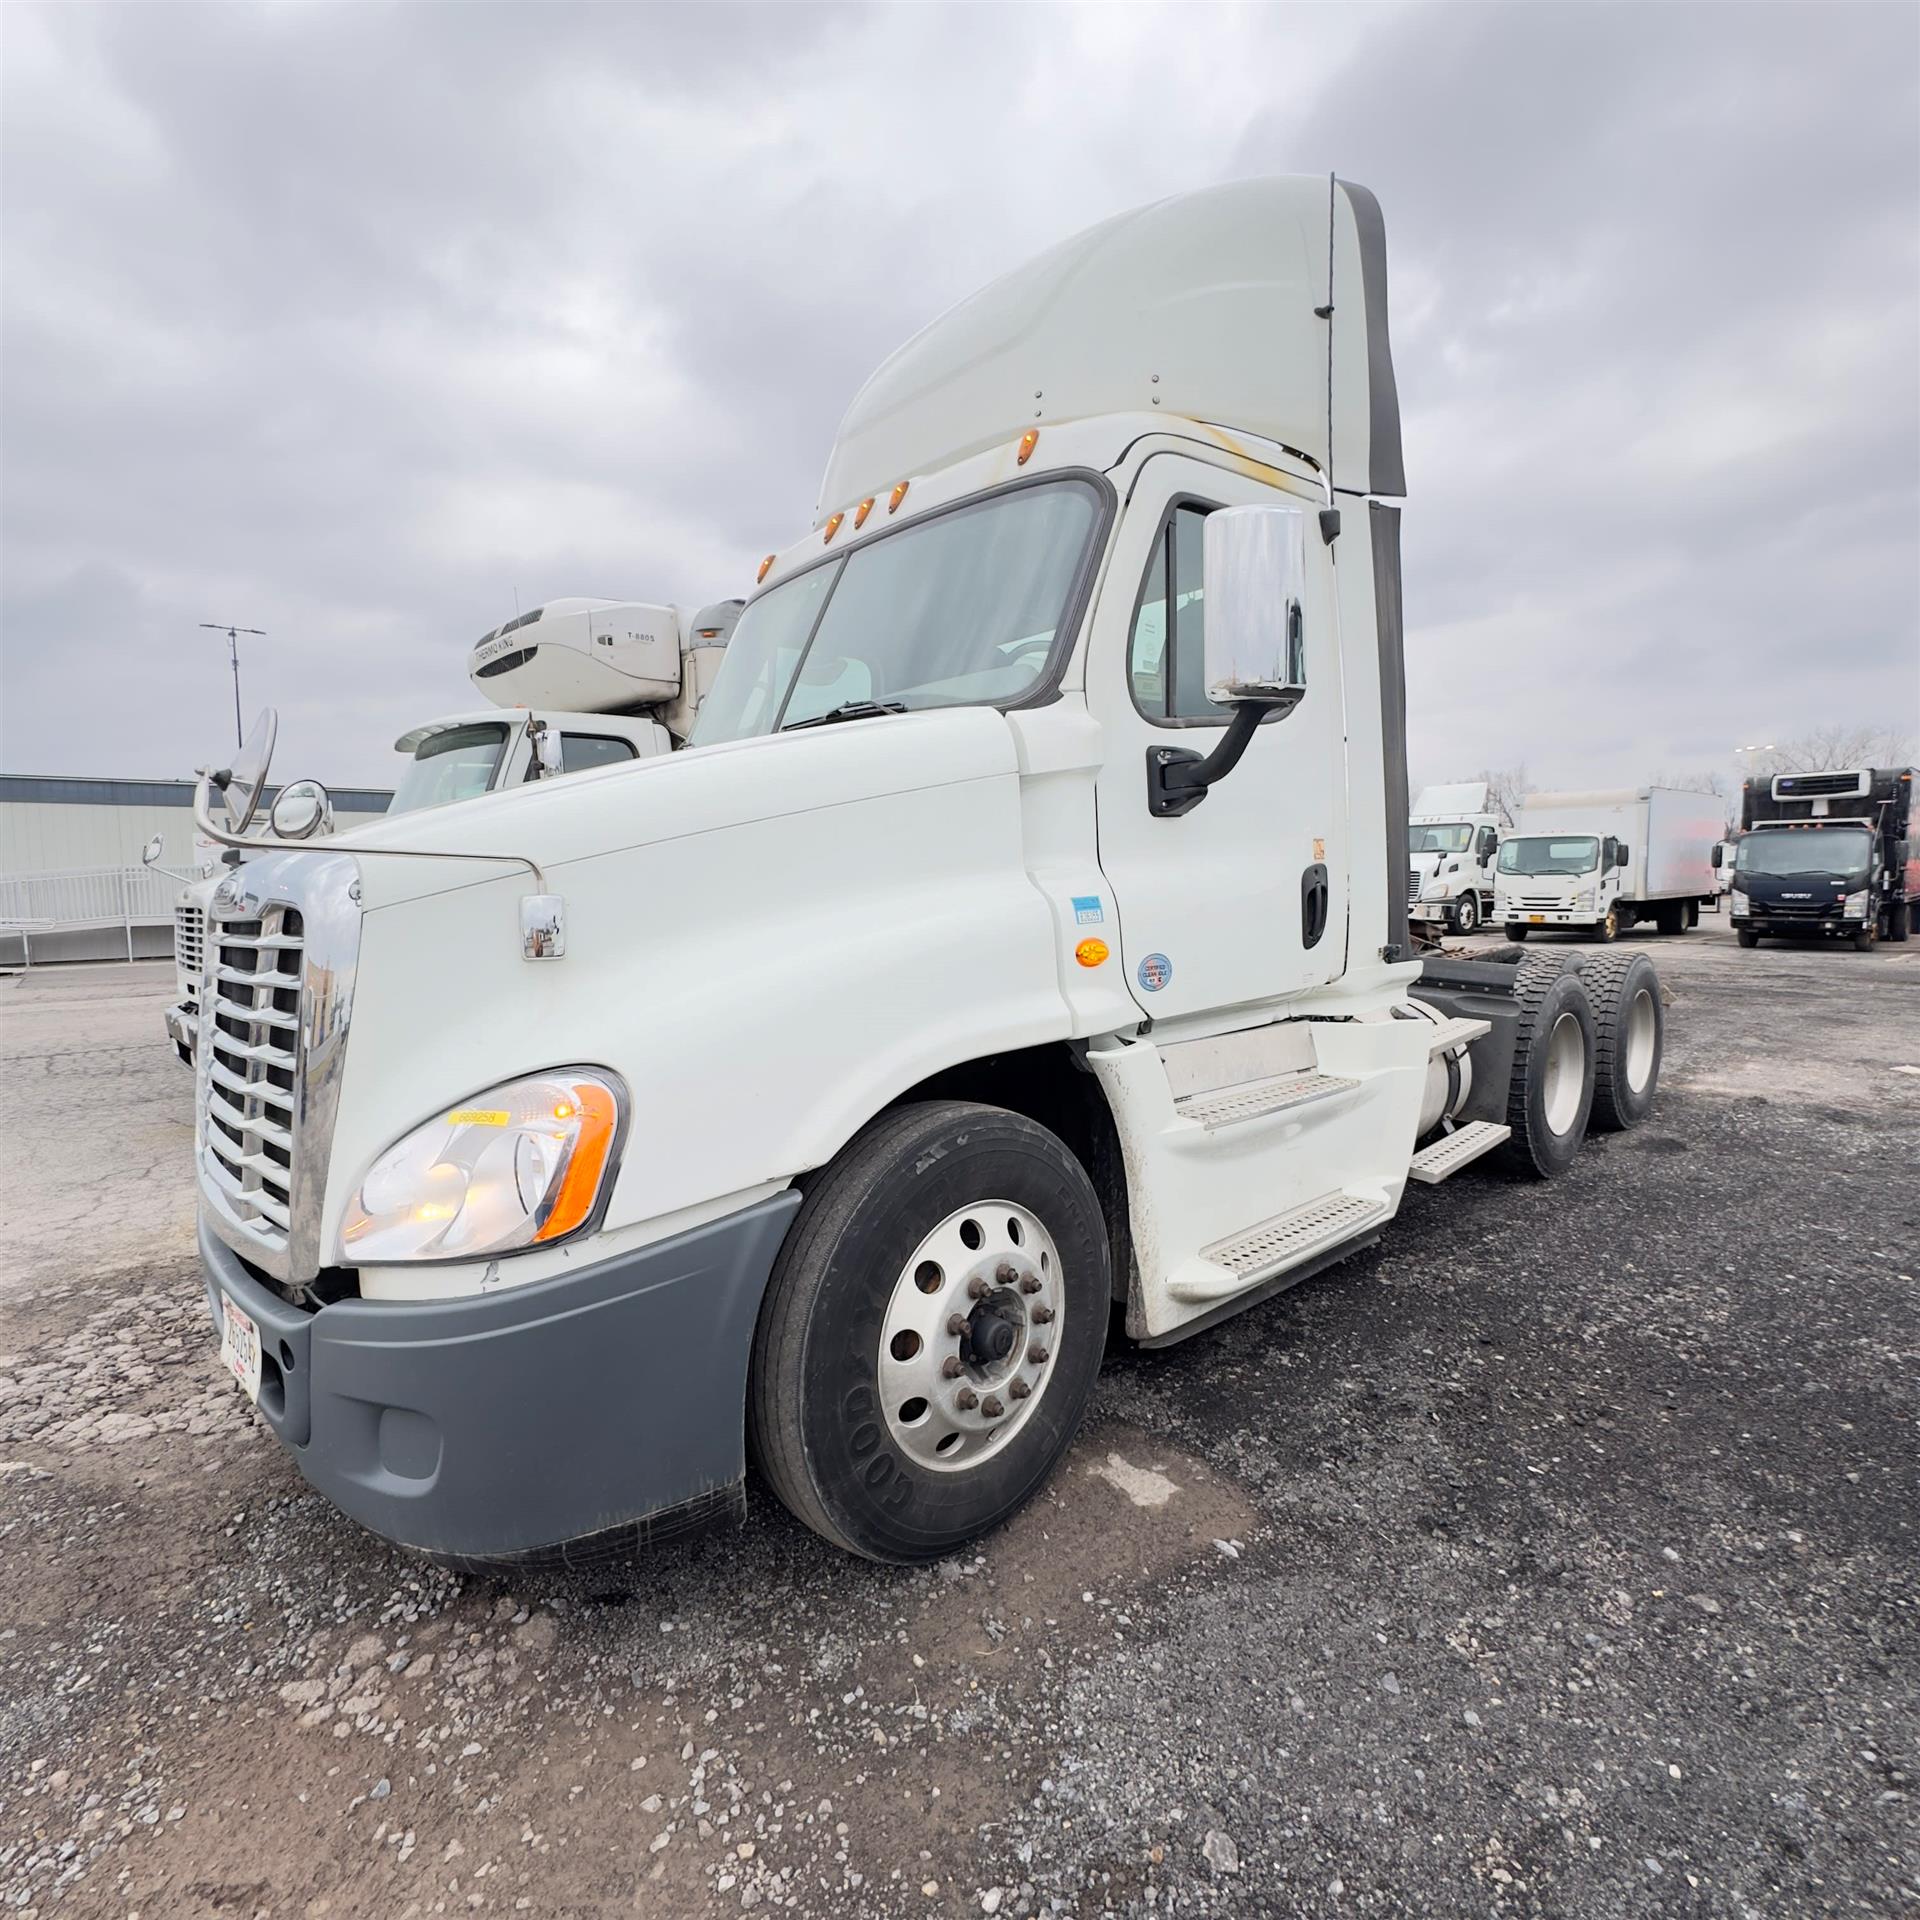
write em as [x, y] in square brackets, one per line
[1538, 919]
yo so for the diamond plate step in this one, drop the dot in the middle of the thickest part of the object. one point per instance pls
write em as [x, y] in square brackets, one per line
[1288, 1239]
[1455, 1150]
[1455, 1032]
[1228, 1106]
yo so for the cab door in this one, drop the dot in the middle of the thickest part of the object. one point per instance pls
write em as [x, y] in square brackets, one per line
[1244, 899]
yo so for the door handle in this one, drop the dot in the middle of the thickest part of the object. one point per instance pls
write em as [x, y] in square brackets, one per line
[1313, 904]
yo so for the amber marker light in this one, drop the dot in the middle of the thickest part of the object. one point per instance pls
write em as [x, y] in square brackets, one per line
[833, 527]
[1090, 953]
[581, 1182]
[896, 496]
[861, 512]
[1028, 441]
[766, 567]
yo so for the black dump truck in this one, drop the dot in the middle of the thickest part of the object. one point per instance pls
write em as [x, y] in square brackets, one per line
[1826, 854]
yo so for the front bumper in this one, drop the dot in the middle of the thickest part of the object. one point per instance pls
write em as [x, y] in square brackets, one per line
[605, 1406]
[1551, 917]
[1786, 923]
[183, 1029]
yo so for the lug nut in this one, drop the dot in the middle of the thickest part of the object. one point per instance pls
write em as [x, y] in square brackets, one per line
[1019, 1389]
[952, 1367]
[966, 1399]
[1038, 1355]
[1042, 1316]
[991, 1406]
[1031, 1284]
[976, 1288]
[956, 1324]
[1007, 1274]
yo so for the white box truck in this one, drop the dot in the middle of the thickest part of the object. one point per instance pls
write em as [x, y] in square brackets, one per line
[1453, 839]
[1598, 863]
[584, 683]
[1024, 933]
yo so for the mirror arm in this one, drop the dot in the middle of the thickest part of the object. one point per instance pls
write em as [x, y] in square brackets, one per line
[1178, 778]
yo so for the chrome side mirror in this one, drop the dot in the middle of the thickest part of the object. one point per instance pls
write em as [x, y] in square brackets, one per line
[543, 926]
[547, 757]
[303, 808]
[150, 853]
[1255, 574]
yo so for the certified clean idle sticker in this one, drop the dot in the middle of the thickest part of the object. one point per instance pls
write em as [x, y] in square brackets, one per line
[1087, 911]
[1154, 972]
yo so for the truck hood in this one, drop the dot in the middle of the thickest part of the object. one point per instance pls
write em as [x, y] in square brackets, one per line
[557, 824]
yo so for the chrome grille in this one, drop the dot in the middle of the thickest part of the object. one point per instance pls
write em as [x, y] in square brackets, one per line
[250, 1040]
[189, 948]
[1413, 886]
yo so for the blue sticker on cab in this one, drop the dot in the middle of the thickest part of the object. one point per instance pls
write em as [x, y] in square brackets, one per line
[1087, 910]
[1154, 972]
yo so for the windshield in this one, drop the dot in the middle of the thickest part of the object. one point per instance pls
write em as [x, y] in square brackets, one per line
[960, 610]
[1447, 839]
[1795, 852]
[454, 765]
[1538, 853]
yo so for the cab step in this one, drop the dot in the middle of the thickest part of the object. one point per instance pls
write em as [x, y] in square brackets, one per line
[1230, 1106]
[1287, 1240]
[1455, 1032]
[1455, 1150]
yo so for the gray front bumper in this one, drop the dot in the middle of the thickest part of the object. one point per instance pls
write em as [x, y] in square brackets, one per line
[183, 1029]
[565, 1411]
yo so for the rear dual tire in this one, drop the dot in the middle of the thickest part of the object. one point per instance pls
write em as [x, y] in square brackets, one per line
[1629, 1038]
[851, 1394]
[1550, 1088]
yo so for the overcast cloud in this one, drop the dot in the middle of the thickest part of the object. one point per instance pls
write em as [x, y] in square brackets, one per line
[367, 326]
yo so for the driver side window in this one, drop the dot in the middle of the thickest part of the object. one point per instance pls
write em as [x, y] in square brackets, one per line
[1166, 656]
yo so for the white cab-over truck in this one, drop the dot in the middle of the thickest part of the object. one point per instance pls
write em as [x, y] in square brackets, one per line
[1023, 935]
[1453, 839]
[585, 683]
[1598, 863]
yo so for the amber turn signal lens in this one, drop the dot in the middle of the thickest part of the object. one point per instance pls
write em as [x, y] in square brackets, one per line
[1090, 953]
[580, 1184]
[860, 513]
[1028, 441]
[833, 527]
[766, 566]
[898, 494]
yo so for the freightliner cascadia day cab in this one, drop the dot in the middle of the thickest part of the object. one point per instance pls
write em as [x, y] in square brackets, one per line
[1023, 935]
[1598, 863]
[1828, 854]
[1452, 842]
[586, 683]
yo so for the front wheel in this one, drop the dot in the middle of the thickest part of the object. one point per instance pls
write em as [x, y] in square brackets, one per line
[932, 1332]
[1608, 930]
[1516, 934]
[1466, 915]
[1746, 936]
[1863, 938]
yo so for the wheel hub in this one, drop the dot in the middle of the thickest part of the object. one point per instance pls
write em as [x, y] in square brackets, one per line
[969, 1333]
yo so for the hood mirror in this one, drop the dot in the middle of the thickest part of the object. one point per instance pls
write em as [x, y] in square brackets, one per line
[303, 809]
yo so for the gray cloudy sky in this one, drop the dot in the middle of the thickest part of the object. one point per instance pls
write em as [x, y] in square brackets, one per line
[354, 322]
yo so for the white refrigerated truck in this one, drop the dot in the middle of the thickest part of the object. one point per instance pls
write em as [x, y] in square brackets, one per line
[1598, 863]
[1453, 839]
[580, 683]
[1023, 933]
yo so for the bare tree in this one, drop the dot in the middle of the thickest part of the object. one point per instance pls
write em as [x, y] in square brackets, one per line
[1707, 781]
[1506, 788]
[1825, 749]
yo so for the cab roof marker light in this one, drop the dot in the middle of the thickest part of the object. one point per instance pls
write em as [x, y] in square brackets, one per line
[860, 513]
[833, 527]
[766, 567]
[1028, 441]
[898, 494]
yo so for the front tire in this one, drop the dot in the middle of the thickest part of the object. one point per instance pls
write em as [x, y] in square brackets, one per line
[1550, 1090]
[1608, 931]
[932, 1331]
[1516, 934]
[1746, 936]
[1863, 938]
[1466, 914]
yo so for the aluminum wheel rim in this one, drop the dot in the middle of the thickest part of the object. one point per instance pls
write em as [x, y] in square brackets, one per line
[951, 1398]
[1640, 1032]
[1566, 1073]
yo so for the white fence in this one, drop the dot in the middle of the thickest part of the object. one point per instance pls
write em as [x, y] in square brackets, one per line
[84, 897]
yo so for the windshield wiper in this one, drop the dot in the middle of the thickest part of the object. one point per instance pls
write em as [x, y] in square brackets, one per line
[847, 710]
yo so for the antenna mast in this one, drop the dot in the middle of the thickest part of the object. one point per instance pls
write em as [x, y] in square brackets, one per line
[233, 634]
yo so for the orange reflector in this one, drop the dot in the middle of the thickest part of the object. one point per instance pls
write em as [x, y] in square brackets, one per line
[765, 565]
[833, 527]
[1090, 953]
[898, 494]
[1028, 441]
[860, 516]
[581, 1181]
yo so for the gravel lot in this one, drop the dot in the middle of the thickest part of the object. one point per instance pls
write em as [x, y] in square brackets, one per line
[1555, 1557]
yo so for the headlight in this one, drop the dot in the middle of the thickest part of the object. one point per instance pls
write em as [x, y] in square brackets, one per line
[1739, 898]
[1856, 908]
[520, 1165]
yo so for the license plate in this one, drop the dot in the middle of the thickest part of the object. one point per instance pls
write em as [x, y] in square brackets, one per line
[240, 1347]
[1538, 919]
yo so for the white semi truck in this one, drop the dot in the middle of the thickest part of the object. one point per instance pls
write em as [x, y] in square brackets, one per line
[1453, 840]
[1023, 933]
[1600, 862]
[582, 683]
